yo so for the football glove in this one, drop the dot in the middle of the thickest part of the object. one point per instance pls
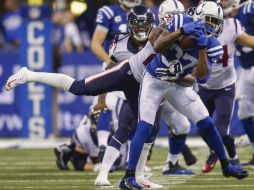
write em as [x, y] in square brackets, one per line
[200, 37]
[191, 27]
[171, 73]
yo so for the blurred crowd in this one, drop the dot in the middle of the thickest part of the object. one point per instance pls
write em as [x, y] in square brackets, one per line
[72, 28]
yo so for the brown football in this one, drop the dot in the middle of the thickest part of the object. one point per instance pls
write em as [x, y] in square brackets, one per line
[187, 43]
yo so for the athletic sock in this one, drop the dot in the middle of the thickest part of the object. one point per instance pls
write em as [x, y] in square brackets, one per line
[213, 138]
[229, 143]
[142, 133]
[110, 156]
[142, 160]
[56, 80]
[103, 127]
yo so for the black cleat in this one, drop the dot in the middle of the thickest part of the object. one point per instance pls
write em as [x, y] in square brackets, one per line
[63, 154]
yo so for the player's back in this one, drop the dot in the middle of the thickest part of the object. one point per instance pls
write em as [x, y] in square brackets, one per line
[113, 20]
[246, 17]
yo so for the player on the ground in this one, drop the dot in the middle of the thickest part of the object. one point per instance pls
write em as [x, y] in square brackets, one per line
[83, 149]
[178, 124]
[158, 83]
[245, 82]
[83, 137]
[218, 93]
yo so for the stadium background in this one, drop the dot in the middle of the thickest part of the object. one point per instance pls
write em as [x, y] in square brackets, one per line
[29, 36]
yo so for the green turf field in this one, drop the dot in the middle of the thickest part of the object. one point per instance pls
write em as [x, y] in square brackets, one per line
[35, 169]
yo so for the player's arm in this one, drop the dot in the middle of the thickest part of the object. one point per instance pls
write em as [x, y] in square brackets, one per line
[245, 39]
[98, 38]
[165, 40]
[103, 21]
[174, 30]
[202, 69]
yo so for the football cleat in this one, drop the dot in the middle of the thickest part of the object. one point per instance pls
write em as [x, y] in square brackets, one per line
[16, 79]
[235, 162]
[171, 169]
[129, 183]
[234, 171]
[101, 181]
[63, 154]
[210, 163]
[250, 163]
[146, 184]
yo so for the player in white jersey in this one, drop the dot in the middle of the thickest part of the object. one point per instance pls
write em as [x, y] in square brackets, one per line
[83, 152]
[218, 93]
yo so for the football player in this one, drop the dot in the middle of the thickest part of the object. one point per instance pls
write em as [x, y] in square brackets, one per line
[159, 79]
[218, 93]
[110, 20]
[245, 82]
[83, 149]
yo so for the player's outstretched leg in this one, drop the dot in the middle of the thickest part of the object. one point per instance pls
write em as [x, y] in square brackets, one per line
[214, 140]
[24, 75]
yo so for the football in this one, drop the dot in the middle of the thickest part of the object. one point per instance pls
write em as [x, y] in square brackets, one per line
[187, 43]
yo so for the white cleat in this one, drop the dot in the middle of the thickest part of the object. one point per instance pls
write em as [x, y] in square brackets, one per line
[146, 184]
[16, 79]
[101, 182]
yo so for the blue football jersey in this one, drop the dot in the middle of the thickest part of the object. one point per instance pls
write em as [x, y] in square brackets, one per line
[114, 20]
[246, 17]
[187, 58]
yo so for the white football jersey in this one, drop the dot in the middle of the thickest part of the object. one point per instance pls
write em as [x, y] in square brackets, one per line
[119, 51]
[139, 61]
[223, 74]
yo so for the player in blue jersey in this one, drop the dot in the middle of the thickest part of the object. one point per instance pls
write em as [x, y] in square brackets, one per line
[245, 82]
[159, 80]
[111, 20]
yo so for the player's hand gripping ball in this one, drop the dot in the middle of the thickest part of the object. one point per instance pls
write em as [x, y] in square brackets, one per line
[187, 43]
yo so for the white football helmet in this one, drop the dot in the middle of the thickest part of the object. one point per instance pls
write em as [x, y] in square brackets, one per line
[130, 3]
[229, 5]
[170, 7]
[212, 13]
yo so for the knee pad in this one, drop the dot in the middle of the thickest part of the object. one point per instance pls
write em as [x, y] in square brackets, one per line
[78, 160]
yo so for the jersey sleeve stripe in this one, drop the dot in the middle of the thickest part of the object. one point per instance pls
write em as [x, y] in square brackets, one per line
[176, 21]
[181, 21]
[216, 53]
[214, 49]
[105, 12]
[109, 11]
[249, 7]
